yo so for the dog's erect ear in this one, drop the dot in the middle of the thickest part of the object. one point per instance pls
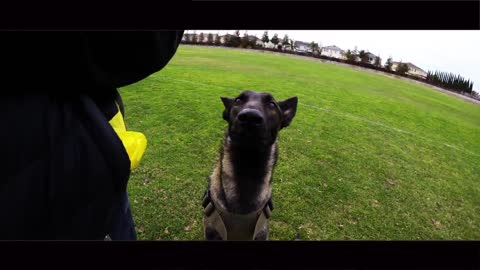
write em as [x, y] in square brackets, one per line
[289, 109]
[227, 102]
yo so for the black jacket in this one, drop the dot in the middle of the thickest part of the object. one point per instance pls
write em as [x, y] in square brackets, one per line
[63, 167]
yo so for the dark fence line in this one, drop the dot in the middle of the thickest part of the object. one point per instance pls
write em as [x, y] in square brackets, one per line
[471, 94]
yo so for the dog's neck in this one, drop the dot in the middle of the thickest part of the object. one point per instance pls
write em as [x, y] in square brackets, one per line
[244, 176]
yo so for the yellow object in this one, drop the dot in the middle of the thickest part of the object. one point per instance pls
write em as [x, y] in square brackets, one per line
[134, 142]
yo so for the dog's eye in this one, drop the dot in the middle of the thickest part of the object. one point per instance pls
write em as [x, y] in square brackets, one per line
[271, 104]
[237, 100]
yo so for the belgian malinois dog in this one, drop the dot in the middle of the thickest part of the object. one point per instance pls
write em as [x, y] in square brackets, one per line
[237, 203]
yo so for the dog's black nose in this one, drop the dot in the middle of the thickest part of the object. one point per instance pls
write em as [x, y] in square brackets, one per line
[250, 116]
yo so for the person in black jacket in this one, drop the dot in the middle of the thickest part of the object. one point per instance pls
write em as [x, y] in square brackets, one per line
[64, 169]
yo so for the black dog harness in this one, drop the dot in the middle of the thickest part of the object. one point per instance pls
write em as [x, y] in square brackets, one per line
[236, 226]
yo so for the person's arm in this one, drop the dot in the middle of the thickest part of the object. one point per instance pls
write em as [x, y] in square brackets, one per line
[90, 62]
[118, 59]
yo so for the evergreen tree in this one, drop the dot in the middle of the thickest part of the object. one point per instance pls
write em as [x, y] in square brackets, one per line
[194, 38]
[265, 38]
[217, 41]
[350, 56]
[285, 42]
[363, 56]
[234, 40]
[314, 48]
[389, 64]
[209, 39]
[293, 47]
[244, 42]
[275, 40]
[402, 68]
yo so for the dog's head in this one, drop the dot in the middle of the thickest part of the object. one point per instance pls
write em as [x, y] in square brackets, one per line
[255, 117]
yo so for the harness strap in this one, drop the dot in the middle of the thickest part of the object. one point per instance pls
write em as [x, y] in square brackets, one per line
[213, 219]
[262, 223]
[234, 226]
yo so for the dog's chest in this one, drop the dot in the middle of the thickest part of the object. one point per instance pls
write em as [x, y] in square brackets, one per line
[240, 226]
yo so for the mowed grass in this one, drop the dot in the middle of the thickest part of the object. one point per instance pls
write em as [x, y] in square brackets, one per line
[366, 157]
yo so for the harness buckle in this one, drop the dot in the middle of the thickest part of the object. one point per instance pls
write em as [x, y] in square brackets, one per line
[270, 203]
[206, 198]
[267, 211]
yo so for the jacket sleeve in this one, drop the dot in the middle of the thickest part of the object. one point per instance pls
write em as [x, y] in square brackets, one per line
[66, 168]
[88, 62]
[117, 59]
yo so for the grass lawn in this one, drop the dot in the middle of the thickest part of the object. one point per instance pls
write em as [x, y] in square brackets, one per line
[366, 157]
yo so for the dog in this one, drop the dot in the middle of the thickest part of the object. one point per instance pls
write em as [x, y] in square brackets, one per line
[237, 203]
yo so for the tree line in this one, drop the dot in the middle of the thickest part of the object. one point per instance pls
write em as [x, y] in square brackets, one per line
[450, 81]
[357, 57]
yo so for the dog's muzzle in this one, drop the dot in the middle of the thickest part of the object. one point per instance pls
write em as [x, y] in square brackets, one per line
[250, 117]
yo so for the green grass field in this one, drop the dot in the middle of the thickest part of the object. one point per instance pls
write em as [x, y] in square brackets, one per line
[366, 157]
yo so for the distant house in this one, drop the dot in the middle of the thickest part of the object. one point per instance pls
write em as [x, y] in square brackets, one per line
[187, 37]
[198, 38]
[251, 38]
[270, 45]
[333, 51]
[205, 38]
[257, 40]
[416, 71]
[371, 58]
[412, 70]
[214, 36]
[302, 46]
[395, 65]
[224, 38]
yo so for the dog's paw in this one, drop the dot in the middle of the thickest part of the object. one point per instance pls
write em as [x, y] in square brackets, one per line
[261, 236]
[212, 235]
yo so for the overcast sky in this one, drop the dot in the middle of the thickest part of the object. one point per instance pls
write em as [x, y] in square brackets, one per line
[450, 51]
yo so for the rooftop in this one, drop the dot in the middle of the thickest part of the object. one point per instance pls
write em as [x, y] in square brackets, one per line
[410, 65]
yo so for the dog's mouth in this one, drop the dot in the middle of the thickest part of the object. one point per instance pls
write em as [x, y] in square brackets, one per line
[241, 131]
